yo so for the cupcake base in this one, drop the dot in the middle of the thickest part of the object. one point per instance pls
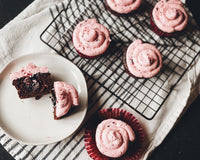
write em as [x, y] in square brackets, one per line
[135, 148]
[156, 30]
[126, 67]
[88, 57]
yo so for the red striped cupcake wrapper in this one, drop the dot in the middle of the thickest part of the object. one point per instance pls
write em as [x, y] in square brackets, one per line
[156, 30]
[135, 148]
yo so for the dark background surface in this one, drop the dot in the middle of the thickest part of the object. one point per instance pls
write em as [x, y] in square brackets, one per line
[182, 143]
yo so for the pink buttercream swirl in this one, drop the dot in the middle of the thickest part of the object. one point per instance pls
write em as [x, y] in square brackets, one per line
[170, 16]
[113, 136]
[123, 6]
[143, 59]
[29, 70]
[66, 97]
[91, 38]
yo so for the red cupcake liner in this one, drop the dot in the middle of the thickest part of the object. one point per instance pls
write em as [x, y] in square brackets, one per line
[159, 32]
[86, 56]
[135, 148]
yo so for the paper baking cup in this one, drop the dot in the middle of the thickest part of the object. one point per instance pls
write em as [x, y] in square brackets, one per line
[135, 148]
[159, 32]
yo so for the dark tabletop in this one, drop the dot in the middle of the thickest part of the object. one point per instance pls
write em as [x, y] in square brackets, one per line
[182, 143]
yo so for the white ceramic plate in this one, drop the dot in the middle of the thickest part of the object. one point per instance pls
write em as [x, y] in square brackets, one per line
[31, 121]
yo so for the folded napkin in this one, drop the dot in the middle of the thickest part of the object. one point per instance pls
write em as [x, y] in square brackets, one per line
[22, 36]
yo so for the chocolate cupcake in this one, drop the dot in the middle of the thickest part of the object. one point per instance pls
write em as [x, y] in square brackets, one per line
[119, 130]
[142, 60]
[122, 6]
[168, 17]
[64, 98]
[91, 39]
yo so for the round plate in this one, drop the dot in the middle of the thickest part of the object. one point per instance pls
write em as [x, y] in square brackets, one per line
[31, 121]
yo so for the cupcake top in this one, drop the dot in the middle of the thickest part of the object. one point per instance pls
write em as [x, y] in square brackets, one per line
[91, 38]
[123, 6]
[143, 60]
[28, 70]
[170, 16]
[66, 97]
[113, 136]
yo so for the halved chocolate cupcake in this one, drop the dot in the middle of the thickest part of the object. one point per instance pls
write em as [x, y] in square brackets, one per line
[64, 98]
[32, 81]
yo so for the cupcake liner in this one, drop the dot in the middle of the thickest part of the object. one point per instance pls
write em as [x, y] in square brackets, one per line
[159, 32]
[135, 148]
[86, 56]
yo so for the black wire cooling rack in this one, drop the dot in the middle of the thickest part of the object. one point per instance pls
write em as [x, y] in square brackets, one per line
[146, 96]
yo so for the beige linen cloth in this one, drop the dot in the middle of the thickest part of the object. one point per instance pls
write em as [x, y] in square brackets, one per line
[21, 37]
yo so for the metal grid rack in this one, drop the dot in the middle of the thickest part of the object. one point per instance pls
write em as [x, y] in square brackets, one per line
[146, 96]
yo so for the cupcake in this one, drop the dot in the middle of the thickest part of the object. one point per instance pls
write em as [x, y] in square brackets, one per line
[122, 6]
[142, 60]
[64, 98]
[91, 39]
[114, 133]
[168, 17]
[32, 81]
[113, 136]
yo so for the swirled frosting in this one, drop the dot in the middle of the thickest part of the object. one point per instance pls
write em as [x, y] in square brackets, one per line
[91, 38]
[66, 97]
[170, 16]
[113, 136]
[143, 59]
[123, 6]
[28, 70]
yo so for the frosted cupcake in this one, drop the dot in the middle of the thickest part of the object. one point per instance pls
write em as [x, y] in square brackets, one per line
[142, 60]
[123, 6]
[113, 134]
[91, 39]
[168, 17]
[64, 98]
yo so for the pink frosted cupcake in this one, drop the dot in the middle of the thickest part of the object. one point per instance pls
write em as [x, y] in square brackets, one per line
[142, 60]
[64, 97]
[122, 6]
[114, 133]
[168, 17]
[32, 81]
[91, 39]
